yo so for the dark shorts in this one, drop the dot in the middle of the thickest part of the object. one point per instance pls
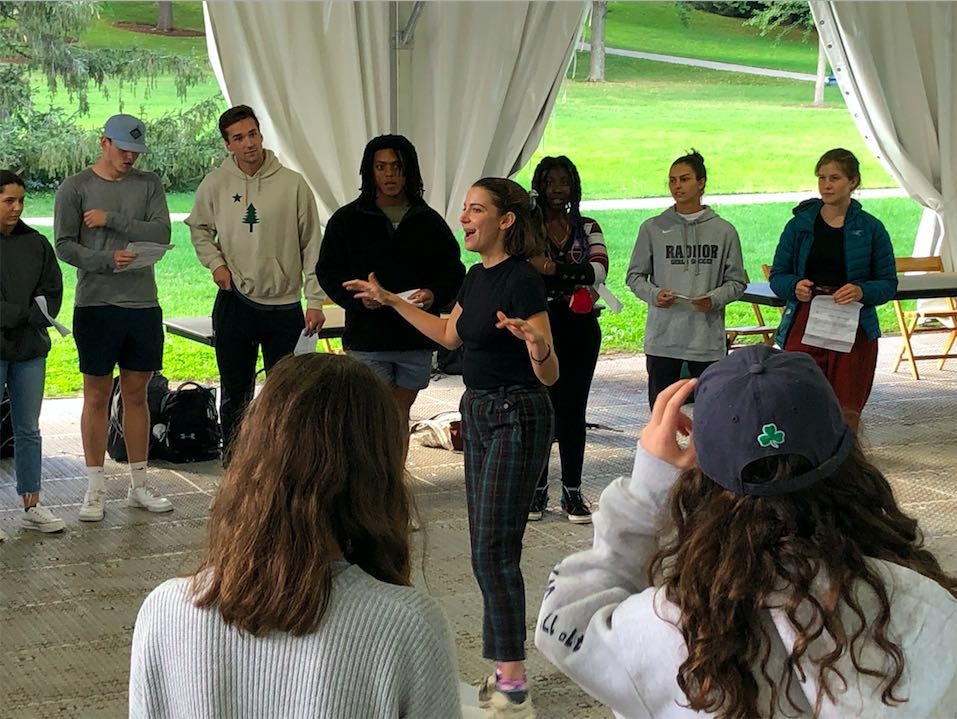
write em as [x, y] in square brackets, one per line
[107, 336]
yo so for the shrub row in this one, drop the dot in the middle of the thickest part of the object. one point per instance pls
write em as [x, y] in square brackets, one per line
[47, 147]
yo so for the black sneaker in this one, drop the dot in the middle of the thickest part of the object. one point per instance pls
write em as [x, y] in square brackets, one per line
[574, 505]
[539, 505]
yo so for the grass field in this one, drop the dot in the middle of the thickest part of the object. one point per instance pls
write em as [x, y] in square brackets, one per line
[757, 135]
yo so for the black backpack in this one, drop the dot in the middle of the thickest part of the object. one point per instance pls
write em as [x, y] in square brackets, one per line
[6, 427]
[188, 425]
[156, 390]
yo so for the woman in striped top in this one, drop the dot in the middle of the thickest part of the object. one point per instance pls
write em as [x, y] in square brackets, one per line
[575, 261]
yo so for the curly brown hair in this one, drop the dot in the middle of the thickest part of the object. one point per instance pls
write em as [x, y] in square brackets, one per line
[316, 474]
[727, 557]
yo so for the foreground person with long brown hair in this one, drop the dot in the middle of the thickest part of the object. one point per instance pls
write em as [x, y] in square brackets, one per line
[301, 605]
[787, 583]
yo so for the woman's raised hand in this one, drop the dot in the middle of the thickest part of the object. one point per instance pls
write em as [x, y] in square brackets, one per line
[371, 291]
[660, 436]
[519, 327]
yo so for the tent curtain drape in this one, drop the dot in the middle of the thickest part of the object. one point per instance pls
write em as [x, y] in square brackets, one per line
[477, 85]
[896, 65]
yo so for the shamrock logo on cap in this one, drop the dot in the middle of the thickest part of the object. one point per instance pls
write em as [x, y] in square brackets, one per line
[771, 436]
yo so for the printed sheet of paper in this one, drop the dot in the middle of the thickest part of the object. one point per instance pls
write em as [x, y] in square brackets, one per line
[614, 304]
[685, 301]
[45, 309]
[407, 294]
[830, 325]
[147, 254]
[305, 345]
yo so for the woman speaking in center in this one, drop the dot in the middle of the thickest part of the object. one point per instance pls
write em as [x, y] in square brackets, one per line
[501, 318]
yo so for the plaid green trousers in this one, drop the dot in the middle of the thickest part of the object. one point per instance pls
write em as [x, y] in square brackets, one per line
[507, 435]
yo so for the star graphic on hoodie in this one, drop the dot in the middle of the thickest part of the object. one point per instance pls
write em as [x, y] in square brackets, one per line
[237, 197]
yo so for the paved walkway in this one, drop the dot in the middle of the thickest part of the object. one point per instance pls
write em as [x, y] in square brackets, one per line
[68, 601]
[708, 64]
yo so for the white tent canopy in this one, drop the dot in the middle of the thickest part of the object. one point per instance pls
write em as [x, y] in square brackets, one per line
[896, 64]
[470, 84]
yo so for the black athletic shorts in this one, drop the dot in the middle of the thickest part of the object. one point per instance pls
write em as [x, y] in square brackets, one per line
[107, 336]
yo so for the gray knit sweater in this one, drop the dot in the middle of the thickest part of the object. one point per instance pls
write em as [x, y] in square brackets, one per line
[381, 651]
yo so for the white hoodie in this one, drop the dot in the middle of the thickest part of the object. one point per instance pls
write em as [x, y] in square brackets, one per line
[615, 636]
[263, 227]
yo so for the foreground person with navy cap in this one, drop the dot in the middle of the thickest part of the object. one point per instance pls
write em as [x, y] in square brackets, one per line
[762, 570]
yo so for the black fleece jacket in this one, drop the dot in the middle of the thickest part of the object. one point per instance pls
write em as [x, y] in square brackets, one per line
[28, 268]
[421, 253]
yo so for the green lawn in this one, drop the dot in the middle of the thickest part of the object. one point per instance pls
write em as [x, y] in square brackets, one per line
[756, 134]
[657, 27]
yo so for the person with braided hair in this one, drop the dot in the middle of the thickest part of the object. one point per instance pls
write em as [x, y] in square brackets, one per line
[574, 262]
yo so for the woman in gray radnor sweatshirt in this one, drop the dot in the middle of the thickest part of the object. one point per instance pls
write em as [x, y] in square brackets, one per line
[687, 266]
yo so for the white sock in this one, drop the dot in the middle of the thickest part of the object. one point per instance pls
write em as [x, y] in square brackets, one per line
[96, 479]
[137, 474]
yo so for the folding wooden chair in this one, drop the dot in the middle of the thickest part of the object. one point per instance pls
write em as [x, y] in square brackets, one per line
[763, 329]
[909, 320]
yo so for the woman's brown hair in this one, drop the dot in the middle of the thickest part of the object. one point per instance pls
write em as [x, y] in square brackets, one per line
[727, 557]
[526, 236]
[315, 475]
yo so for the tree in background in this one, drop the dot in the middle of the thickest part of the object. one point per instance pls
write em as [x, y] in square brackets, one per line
[40, 39]
[782, 17]
[596, 65]
[164, 15]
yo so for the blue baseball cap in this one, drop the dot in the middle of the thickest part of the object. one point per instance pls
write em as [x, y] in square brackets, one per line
[762, 402]
[128, 133]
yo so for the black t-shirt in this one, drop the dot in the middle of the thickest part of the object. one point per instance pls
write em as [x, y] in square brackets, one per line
[826, 265]
[495, 357]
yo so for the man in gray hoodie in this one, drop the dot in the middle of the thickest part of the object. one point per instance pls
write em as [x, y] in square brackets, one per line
[687, 266]
[255, 227]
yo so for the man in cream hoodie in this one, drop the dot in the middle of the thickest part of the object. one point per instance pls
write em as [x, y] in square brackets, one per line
[255, 226]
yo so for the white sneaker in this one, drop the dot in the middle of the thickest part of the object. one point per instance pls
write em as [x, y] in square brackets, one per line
[145, 498]
[92, 508]
[41, 519]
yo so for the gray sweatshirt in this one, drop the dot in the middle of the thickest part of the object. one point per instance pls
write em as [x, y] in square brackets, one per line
[136, 212]
[381, 652]
[694, 259]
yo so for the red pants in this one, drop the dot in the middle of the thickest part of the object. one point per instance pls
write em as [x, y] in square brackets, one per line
[851, 374]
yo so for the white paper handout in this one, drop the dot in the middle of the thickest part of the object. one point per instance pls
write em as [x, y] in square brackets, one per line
[686, 300]
[614, 304]
[147, 253]
[305, 345]
[830, 325]
[407, 294]
[45, 309]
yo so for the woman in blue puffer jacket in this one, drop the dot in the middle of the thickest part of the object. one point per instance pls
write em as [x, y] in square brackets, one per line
[832, 246]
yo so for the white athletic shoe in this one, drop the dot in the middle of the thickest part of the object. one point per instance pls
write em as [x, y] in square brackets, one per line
[41, 519]
[145, 498]
[92, 508]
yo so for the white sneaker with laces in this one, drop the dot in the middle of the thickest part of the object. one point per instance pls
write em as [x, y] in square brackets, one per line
[41, 519]
[145, 498]
[92, 508]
